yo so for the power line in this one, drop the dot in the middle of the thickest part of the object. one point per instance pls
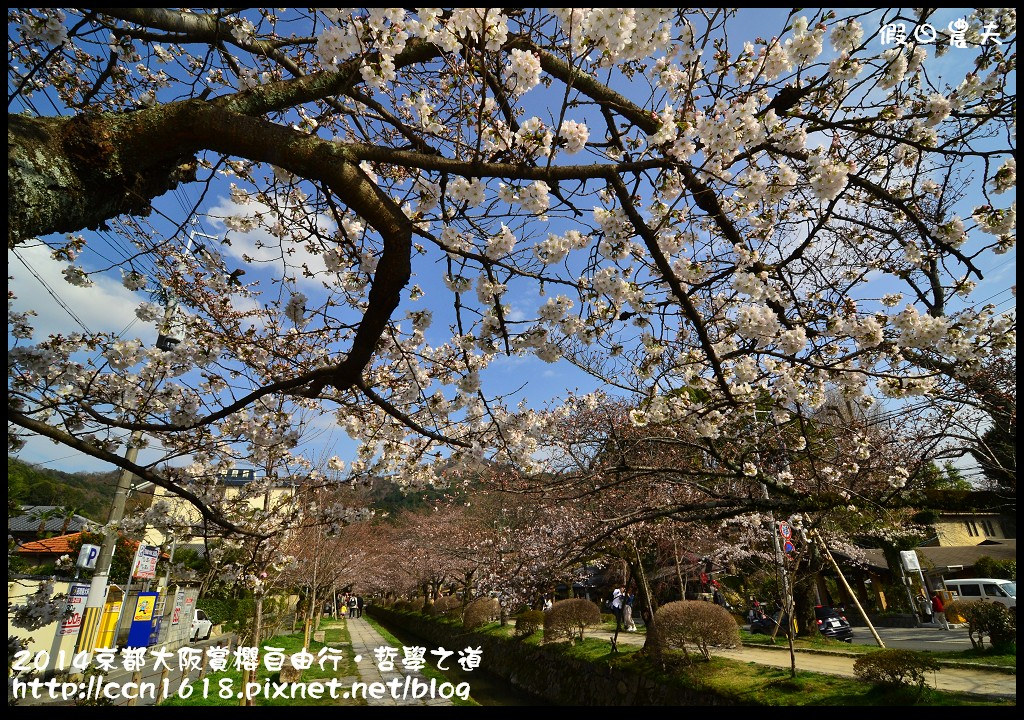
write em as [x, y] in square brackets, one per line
[52, 293]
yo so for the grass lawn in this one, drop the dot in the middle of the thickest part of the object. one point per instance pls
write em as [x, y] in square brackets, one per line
[229, 682]
[753, 684]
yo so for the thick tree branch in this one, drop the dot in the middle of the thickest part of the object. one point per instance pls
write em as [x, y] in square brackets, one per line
[54, 433]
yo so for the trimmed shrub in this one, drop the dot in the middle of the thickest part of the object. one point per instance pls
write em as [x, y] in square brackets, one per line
[480, 612]
[245, 610]
[529, 622]
[568, 618]
[683, 624]
[445, 605]
[894, 667]
[998, 622]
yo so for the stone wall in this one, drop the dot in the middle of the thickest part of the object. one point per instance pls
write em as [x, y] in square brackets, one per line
[546, 671]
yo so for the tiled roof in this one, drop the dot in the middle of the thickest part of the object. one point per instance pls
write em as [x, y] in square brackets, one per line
[951, 556]
[60, 545]
[29, 520]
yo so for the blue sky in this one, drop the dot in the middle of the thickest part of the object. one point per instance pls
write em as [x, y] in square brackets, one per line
[110, 307]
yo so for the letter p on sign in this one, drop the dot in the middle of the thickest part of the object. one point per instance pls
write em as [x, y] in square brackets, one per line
[88, 556]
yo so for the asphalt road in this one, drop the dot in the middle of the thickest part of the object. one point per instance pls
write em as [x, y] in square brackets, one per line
[924, 638]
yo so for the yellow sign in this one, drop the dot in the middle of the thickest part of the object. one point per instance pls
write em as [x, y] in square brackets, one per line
[144, 610]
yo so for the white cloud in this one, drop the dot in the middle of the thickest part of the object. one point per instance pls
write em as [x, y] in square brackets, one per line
[106, 306]
[265, 250]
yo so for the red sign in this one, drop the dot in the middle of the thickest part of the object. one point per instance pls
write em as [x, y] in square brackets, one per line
[176, 615]
[785, 530]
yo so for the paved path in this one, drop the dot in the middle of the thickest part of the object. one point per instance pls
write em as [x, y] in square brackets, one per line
[364, 639]
[984, 682]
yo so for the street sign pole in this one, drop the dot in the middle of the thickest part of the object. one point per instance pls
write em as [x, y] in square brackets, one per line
[99, 586]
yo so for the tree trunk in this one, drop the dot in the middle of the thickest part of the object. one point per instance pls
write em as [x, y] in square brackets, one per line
[679, 570]
[69, 174]
[258, 629]
[805, 592]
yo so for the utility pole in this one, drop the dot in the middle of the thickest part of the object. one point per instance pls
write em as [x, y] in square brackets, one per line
[99, 586]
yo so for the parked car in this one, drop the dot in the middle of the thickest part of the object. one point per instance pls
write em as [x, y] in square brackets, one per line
[831, 623]
[765, 624]
[201, 626]
[995, 590]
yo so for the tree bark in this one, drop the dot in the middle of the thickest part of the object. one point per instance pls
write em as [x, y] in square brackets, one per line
[70, 174]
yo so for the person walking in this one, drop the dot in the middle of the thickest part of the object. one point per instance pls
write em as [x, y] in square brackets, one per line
[627, 614]
[353, 606]
[939, 609]
[359, 605]
[618, 596]
[926, 608]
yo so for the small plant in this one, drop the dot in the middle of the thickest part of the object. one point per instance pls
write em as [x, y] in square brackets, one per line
[480, 612]
[894, 667]
[568, 619]
[528, 622]
[695, 623]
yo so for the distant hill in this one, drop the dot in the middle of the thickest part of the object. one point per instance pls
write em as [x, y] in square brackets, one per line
[386, 496]
[86, 493]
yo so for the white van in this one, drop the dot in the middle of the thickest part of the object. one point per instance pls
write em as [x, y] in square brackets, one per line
[1003, 592]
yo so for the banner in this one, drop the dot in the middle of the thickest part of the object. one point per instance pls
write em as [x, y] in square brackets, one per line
[179, 599]
[145, 562]
[77, 595]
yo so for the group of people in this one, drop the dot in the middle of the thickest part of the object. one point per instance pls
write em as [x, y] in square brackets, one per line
[758, 611]
[622, 606]
[351, 605]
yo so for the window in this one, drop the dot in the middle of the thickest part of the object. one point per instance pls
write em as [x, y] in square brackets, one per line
[993, 590]
[970, 590]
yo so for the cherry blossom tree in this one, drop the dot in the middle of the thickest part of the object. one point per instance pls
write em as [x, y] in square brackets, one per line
[720, 224]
